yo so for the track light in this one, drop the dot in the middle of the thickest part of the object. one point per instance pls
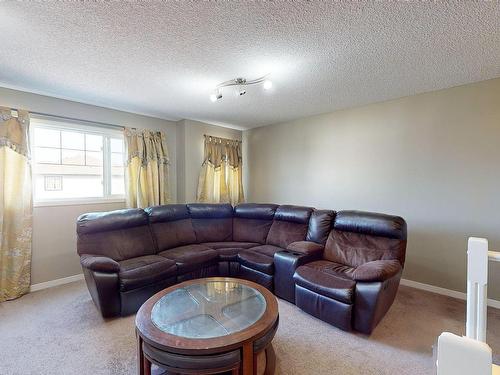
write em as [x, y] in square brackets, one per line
[241, 84]
[216, 95]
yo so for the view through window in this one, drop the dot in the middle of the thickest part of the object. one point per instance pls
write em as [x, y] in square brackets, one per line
[75, 161]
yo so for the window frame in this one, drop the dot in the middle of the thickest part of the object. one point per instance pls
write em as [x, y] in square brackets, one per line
[46, 122]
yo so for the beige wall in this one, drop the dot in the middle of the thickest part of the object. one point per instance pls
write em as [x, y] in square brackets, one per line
[54, 239]
[190, 154]
[432, 158]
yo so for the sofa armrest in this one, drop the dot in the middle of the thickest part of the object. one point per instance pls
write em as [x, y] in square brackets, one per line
[104, 288]
[377, 270]
[285, 264]
[99, 263]
[372, 301]
[305, 247]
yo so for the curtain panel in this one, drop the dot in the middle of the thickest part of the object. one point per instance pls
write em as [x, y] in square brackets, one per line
[16, 206]
[147, 182]
[220, 178]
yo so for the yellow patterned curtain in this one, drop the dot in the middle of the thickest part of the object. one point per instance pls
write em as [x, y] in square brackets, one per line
[220, 178]
[16, 206]
[147, 168]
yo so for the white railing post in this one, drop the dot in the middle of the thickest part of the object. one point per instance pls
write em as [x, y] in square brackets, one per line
[477, 284]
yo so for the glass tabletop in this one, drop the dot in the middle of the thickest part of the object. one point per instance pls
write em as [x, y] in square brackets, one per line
[208, 309]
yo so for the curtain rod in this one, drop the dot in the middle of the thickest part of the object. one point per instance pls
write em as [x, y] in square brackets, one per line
[223, 139]
[73, 119]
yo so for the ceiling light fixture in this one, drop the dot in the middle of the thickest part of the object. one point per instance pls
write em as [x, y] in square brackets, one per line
[268, 84]
[216, 95]
[241, 84]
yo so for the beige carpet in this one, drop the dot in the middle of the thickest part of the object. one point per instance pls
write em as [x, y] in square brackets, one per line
[58, 331]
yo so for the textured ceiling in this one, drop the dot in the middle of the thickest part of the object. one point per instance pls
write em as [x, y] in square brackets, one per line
[162, 59]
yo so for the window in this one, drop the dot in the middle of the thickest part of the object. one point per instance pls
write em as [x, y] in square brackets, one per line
[76, 162]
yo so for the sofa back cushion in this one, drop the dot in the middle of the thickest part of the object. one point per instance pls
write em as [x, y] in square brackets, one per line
[290, 224]
[212, 222]
[119, 235]
[359, 237]
[171, 226]
[252, 221]
[320, 226]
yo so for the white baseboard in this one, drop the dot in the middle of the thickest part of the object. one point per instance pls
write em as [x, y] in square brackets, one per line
[445, 292]
[52, 283]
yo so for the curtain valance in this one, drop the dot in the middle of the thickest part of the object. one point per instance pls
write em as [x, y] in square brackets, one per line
[147, 168]
[221, 172]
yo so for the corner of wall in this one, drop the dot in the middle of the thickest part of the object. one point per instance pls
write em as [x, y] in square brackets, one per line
[181, 160]
[246, 164]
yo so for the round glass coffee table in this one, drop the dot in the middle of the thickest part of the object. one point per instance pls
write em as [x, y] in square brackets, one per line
[208, 320]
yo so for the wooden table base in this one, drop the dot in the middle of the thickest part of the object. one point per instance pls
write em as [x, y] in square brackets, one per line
[251, 363]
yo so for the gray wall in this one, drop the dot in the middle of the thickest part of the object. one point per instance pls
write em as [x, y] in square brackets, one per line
[54, 237]
[432, 158]
[54, 234]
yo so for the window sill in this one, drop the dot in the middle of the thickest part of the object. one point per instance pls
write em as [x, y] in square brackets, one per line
[77, 202]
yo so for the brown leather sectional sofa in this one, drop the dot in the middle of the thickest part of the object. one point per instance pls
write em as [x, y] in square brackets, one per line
[342, 267]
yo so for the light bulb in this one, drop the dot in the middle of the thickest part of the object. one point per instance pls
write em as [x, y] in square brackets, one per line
[267, 84]
[216, 95]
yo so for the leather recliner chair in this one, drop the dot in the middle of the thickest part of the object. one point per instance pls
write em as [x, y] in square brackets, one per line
[128, 255]
[356, 281]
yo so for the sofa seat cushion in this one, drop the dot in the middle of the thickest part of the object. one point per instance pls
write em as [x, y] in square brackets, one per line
[257, 261]
[268, 250]
[378, 270]
[229, 254]
[333, 268]
[230, 244]
[190, 257]
[317, 277]
[142, 271]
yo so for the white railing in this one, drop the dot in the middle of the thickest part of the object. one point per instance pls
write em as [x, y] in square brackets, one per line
[471, 355]
[477, 286]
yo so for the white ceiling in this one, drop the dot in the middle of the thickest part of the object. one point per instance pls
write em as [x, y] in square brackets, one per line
[162, 59]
